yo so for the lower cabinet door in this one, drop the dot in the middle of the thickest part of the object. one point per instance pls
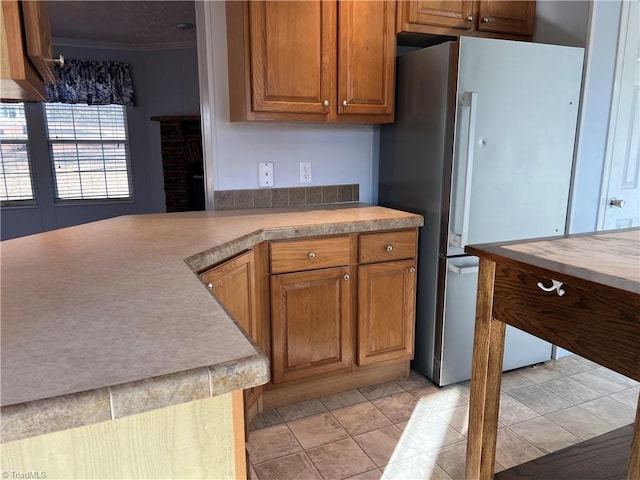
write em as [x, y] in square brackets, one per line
[386, 311]
[311, 323]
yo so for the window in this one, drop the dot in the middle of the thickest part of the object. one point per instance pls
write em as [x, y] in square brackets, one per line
[89, 151]
[15, 173]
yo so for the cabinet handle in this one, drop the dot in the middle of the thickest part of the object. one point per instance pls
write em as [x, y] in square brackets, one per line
[210, 286]
[326, 103]
[470, 18]
[389, 248]
[59, 60]
[485, 20]
[412, 269]
[344, 103]
[555, 285]
[312, 255]
[347, 277]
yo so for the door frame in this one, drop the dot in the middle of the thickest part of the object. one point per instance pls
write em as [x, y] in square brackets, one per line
[613, 114]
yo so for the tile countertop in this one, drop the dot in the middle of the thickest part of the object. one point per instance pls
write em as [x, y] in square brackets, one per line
[108, 319]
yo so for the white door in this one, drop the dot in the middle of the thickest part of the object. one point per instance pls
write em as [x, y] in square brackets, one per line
[620, 199]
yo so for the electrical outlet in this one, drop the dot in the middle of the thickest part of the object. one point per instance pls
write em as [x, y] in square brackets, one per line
[305, 172]
[265, 174]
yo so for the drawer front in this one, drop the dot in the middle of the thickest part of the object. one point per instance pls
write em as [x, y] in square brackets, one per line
[600, 323]
[310, 254]
[383, 247]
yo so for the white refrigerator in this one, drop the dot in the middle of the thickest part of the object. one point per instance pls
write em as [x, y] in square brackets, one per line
[482, 146]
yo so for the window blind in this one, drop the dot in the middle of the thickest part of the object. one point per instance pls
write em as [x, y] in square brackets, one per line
[15, 173]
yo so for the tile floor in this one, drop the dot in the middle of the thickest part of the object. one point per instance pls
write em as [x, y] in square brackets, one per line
[410, 429]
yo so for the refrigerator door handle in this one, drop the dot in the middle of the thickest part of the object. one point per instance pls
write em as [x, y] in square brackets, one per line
[462, 270]
[468, 99]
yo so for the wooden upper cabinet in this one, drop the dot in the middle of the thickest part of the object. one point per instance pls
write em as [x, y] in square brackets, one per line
[366, 58]
[38, 35]
[292, 56]
[301, 60]
[515, 17]
[486, 18]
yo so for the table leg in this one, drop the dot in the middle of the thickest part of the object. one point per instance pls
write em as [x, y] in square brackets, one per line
[633, 471]
[486, 375]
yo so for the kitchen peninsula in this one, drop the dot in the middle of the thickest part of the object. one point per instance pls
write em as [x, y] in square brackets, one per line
[116, 360]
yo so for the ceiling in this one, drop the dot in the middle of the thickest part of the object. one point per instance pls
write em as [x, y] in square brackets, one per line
[135, 23]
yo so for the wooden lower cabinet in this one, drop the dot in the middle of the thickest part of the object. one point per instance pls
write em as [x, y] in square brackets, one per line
[311, 323]
[386, 311]
[233, 284]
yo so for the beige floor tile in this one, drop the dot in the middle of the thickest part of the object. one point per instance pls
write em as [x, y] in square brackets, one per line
[629, 397]
[271, 442]
[413, 381]
[384, 444]
[512, 450]
[569, 365]
[586, 361]
[545, 434]
[264, 419]
[540, 373]
[618, 377]
[600, 383]
[461, 389]
[434, 402]
[611, 411]
[340, 459]
[580, 422]
[539, 399]
[457, 417]
[512, 411]
[292, 467]
[572, 391]
[360, 418]
[452, 459]
[343, 399]
[513, 380]
[380, 390]
[251, 473]
[398, 407]
[317, 430]
[430, 432]
[420, 467]
[370, 475]
[302, 409]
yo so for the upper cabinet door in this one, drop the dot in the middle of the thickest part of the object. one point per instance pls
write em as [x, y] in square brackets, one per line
[292, 56]
[366, 65]
[35, 15]
[447, 13]
[513, 17]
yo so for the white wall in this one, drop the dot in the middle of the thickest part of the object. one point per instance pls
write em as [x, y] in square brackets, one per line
[339, 154]
[562, 22]
[166, 83]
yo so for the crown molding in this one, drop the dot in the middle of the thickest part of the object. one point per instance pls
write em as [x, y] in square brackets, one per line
[73, 42]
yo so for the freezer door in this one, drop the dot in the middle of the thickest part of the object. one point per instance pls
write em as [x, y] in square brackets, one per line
[515, 131]
[458, 320]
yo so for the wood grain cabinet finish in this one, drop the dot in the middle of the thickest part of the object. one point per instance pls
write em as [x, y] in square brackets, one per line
[487, 18]
[233, 284]
[311, 323]
[310, 254]
[25, 50]
[311, 60]
[386, 296]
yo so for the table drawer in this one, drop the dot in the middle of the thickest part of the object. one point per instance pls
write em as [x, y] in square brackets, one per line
[310, 254]
[598, 323]
[386, 246]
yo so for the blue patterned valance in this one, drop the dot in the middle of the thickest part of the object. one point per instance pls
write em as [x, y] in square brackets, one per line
[93, 83]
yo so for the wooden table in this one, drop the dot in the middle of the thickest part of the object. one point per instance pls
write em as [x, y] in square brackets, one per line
[581, 292]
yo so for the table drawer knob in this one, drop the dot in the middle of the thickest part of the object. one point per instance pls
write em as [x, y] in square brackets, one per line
[555, 285]
[312, 255]
[389, 248]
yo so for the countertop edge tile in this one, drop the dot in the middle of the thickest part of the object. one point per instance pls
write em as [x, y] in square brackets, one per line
[239, 374]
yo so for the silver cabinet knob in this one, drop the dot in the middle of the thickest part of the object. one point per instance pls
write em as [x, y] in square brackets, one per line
[347, 277]
[470, 18]
[344, 103]
[616, 202]
[210, 286]
[412, 269]
[389, 248]
[326, 103]
[485, 20]
[312, 255]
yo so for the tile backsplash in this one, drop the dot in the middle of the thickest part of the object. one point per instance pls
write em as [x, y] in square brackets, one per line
[285, 197]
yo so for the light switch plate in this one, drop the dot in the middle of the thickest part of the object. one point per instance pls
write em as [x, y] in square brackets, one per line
[265, 174]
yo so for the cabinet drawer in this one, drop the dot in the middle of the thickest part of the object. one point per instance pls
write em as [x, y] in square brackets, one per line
[572, 317]
[382, 247]
[310, 254]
